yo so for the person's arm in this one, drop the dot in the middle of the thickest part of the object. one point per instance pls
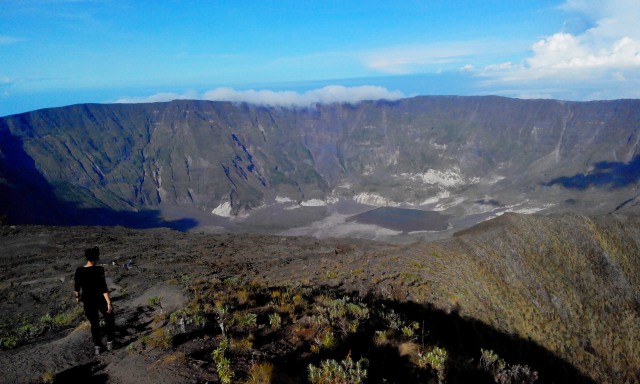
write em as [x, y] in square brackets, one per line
[106, 297]
[105, 291]
[76, 285]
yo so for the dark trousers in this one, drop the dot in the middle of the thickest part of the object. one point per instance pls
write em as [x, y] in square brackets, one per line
[91, 309]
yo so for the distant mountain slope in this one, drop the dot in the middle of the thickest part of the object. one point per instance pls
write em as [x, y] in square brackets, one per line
[431, 152]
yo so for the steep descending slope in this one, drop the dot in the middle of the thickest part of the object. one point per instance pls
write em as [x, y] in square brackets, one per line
[566, 282]
[236, 157]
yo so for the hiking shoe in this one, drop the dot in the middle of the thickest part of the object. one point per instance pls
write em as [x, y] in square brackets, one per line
[97, 349]
[109, 346]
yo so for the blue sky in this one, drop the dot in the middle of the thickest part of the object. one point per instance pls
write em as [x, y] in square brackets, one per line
[57, 52]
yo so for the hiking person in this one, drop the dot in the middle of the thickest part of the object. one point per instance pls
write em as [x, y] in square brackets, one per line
[91, 289]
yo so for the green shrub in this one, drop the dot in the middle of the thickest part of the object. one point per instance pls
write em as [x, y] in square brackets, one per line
[504, 373]
[29, 330]
[328, 340]
[245, 320]
[408, 331]
[490, 360]
[63, 319]
[155, 301]
[275, 320]
[223, 364]
[186, 281]
[46, 319]
[8, 342]
[159, 338]
[436, 358]
[185, 316]
[332, 372]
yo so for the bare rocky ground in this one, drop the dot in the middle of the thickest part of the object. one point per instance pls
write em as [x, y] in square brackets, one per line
[559, 294]
[37, 279]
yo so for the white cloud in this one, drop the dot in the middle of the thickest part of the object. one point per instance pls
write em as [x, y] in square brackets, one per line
[400, 60]
[160, 97]
[6, 40]
[575, 56]
[607, 51]
[325, 95]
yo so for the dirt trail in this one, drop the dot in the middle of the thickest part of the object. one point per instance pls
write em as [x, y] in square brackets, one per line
[38, 281]
[71, 355]
[38, 264]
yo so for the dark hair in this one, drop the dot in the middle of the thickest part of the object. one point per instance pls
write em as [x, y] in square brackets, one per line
[92, 254]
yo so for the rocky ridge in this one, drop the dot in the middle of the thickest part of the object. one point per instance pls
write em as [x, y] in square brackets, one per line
[469, 157]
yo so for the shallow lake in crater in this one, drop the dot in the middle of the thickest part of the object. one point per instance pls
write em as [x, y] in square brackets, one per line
[403, 219]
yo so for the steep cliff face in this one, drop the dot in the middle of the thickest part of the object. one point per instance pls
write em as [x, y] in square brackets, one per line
[425, 152]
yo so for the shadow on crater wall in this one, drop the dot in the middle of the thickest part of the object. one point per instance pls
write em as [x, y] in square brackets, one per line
[26, 197]
[605, 173]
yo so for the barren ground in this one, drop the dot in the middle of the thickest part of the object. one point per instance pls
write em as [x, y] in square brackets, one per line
[37, 279]
[486, 288]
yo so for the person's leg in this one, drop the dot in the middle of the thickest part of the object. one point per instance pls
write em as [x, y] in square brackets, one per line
[91, 312]
[109, 319]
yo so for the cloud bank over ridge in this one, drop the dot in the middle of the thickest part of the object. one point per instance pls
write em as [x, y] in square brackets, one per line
[288, 99]
[605, 52]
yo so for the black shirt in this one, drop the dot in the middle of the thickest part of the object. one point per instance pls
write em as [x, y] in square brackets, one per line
[91, 281]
